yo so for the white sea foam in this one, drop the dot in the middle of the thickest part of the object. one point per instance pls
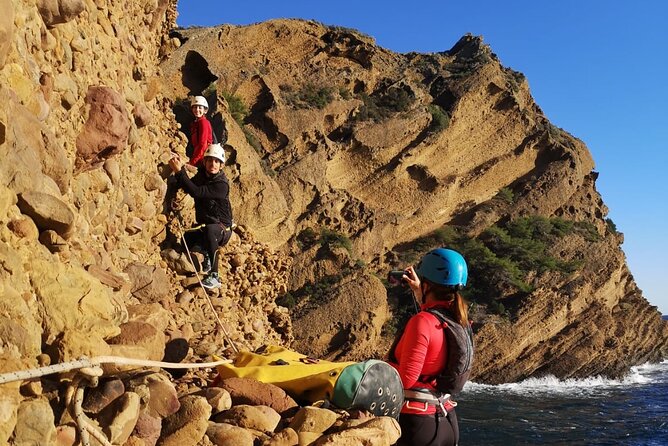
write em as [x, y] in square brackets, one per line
[550, 385]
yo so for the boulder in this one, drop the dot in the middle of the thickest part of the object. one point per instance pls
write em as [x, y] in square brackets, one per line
[101, 396]
[106, 131]
[115, 281]
[119, 419]
[24, 228]
[70, 298]
[260, 418]
[158, 392]
[53, 242]
[188, 425]
[218, 398]
[142, 115]
[149, 283]
[388, 425]
[35, 423]
[253, 392]
[153, 314]
[286, 437]
[6, 31]
[148, 429]
[72, 344]
[313, 419]
[368, 436]
[144, 335]
[47, 211]
[54, 12]
[222, 434]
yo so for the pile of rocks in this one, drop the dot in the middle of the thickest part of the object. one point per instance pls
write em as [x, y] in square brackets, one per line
[144, 408]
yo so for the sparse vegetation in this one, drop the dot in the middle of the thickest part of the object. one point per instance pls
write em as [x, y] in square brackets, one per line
[330, 238]
[345, 93]
[612, 227]
[515, 79]
[440, 119]
[505, 194]
[237, 108]
[502, 257]
[381, 106]
[308, 96]
[210, 90]
[314, 291]
[252, 140]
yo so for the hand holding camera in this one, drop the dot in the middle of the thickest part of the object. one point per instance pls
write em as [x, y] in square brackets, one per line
[396, 277]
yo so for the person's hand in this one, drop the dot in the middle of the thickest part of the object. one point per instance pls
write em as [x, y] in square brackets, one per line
[175, 163]
[413, 281]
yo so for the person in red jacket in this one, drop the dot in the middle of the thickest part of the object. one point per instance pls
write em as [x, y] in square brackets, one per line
[201, 133]
[428, 416]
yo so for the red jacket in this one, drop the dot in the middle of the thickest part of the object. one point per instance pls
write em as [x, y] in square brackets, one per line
[421, 351]
[201, 136]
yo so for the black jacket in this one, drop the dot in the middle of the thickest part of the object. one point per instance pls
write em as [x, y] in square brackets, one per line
[211, 194]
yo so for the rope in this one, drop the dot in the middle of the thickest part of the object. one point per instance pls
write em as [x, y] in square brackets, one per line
[84, 425]
[228, 338]
[84, 362]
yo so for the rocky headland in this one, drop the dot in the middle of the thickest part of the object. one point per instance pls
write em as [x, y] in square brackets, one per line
[345, 159]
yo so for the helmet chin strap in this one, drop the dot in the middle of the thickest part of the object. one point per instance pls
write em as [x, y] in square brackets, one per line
[424, 294]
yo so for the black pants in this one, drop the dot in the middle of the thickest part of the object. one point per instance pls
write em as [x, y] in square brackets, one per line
[207, 239]
[428, 430]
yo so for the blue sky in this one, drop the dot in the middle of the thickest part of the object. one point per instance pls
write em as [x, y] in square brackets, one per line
[598, 69]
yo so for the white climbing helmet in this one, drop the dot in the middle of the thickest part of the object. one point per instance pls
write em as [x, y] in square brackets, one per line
[215, 151]
[199, 100]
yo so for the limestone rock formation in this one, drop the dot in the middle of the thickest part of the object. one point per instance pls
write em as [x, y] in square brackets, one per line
[392, 155]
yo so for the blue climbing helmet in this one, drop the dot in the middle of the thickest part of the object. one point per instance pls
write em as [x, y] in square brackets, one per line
[443, 266]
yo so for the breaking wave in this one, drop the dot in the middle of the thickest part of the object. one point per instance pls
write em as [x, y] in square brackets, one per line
[550, 385]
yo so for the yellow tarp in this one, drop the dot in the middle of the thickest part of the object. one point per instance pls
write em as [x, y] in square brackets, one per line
[291, 371]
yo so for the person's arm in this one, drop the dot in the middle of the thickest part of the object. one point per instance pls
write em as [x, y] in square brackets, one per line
[217, 190]
[414, 351]
[202, 136]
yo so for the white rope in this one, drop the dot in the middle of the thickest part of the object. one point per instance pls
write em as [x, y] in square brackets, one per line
[81, 363]
[206, 293]
[74, 400]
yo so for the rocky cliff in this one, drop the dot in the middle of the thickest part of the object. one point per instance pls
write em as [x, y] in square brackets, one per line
[362, 159]
[346, 160]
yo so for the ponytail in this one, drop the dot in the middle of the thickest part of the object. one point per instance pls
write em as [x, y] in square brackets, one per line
[458, 306]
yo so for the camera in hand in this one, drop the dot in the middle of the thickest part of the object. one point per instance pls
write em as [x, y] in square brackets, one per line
[396, 277]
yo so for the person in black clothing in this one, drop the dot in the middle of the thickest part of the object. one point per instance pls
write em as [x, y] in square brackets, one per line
[213, 212]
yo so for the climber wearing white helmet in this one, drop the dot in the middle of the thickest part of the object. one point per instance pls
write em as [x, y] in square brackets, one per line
[201, 133]
[213, 212]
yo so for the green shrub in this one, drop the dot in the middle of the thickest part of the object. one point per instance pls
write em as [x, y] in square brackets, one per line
[329, 238]
[309, 96]
[306, 238]
[237, 108]
[287, 300]
[588, 231]
[440, 120]
[380, 106]
[252, 140]
[505, 194]
[502, 256]
[210, 90]
[345, 93]
[612, 227]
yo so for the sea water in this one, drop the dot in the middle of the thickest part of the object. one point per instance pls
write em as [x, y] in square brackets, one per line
[547, 411]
